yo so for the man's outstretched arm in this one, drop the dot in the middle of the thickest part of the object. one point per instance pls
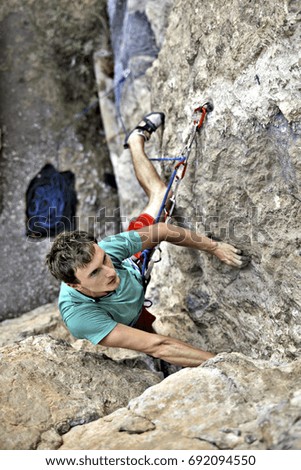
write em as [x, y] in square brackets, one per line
[154, 234]
[169, 349]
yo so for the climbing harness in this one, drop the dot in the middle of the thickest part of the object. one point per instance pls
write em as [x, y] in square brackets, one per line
[147, 259]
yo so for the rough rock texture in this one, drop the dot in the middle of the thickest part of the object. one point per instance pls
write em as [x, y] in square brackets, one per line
[231, 403]
[138, 31]
[47, 86]
[47, 387]
[243, 181]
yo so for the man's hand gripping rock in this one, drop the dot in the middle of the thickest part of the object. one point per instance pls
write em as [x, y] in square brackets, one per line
[230, 255]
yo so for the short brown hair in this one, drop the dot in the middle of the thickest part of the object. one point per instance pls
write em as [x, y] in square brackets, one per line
[70, 251]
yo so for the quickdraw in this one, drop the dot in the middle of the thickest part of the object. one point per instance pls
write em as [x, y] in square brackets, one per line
[147, 259]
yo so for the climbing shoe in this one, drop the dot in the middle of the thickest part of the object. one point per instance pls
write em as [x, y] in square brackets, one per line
[146, 127]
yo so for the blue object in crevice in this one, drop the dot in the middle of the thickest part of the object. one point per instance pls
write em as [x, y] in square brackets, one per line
[50, 203]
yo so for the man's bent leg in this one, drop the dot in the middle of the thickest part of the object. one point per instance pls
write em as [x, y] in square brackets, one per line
[147, 176]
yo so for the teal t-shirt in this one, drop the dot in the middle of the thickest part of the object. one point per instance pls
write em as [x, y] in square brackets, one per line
[93, 319]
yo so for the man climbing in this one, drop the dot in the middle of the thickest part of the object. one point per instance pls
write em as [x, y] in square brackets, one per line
[102, 296]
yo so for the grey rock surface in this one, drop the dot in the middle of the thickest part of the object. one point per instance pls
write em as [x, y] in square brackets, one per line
[243, 184]
[47, 387]
[138, 31]
[232, 402]
[243, 180]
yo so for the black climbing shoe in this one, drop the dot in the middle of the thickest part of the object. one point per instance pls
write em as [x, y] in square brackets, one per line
[150, 124]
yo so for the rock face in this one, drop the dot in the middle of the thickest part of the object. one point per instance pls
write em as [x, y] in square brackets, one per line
[243, 180]
[231, 403]
[138, 31]
[47, 387]
[243, 184]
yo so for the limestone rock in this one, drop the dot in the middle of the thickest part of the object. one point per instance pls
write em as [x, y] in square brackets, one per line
[243, 180]
[243, 184]
[42, 320]
[232, 402]
[137, 33]
[47, 387]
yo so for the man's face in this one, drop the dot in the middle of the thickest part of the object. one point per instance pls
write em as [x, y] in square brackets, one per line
[99, 277]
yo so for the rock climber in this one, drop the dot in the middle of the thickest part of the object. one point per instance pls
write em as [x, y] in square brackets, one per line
[102, 295]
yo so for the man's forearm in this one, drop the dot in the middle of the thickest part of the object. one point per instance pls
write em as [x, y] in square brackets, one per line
[179, 353]
[186, 237]
[154, 234]
[169, 349]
